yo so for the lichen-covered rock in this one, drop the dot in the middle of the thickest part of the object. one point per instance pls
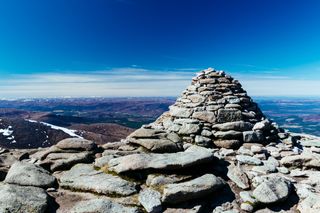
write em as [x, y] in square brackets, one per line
[304, 160]
[27, 174]
[193, 189]
[150, 200]
[237, 126]
[26, 199]
[101, 206]
[83, 177]
[238, 176]
[166, 161]
[244, 159]
[76, 144]
[158, 145]
[273, 189]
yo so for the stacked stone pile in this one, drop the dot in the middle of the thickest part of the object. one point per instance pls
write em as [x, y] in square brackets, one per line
[214, 151]
[214, 111]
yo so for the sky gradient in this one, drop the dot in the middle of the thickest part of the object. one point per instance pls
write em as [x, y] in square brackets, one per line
[153, 48]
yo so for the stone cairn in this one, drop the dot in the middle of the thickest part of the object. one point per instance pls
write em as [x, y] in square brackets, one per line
[214, 111]
[214, 151]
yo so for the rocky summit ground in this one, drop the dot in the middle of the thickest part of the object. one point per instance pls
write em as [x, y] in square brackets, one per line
[213, 151]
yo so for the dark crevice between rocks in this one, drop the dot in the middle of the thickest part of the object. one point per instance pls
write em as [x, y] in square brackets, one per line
[53, 206]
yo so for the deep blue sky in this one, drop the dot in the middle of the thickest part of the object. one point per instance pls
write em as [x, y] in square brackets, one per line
[68, 41]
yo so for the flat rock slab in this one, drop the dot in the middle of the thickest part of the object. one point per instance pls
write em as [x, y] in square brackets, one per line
[238, 176]
[150, 200]
[244, 159]
[76, 144]
[101, 206]
[160, 179]
[26, 199]
[146, 133]
[167, 161]
[193, 189]
[158, 145]
[28, 174]
[237, 126]
[310, 143]
[84, 177]
[273, 189]
[310, 204]
[302, 160]
[64, 161]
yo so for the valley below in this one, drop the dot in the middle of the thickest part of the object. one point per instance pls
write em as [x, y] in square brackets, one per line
[111, 119]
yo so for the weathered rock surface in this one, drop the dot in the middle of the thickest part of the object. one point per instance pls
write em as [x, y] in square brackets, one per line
[26, 199]
[101, 206]
[244, 159]
[76, 144]
[150, 200]
[84, 177]
[273, 189]
[27, 174]
[238, 176]
[196, 188]
[158, 145]
[303, 160]
[160, 161]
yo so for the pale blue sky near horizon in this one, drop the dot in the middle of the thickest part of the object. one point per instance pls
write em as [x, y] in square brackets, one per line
[111, 48]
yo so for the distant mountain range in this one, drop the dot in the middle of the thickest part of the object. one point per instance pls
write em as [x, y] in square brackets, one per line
[43, 122]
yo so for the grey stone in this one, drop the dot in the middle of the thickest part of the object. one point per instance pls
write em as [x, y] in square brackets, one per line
[273, 189]
[246, 196]
[150, 200]
[310, 204]
[205, 116]
[237, 126]
[167, 161]
[101, 206]
[64, 161]
[238, 176]
[195, 209]
[227, 144]
[228, 135]
[256, 149]
[310, 143]
[76, 144]
[196, 98]
[145, 133]
[244, 151]
[246, 207]
[193, 189]
[185, 120]
[206, 133]
[262, 125]
[253, 137]
[26, 199]
[158, 180]
[303, 160]
[27, 174]
[228, 115]
[187, 129]
[244, 159]
[203, 141]
[103, 161]
[180, 112]
[84, 177]
[174, 137]
[158, 145]
[283, 170]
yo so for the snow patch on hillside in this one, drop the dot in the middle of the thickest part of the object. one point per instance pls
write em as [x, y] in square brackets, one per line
[6, 132]
[70, 132]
